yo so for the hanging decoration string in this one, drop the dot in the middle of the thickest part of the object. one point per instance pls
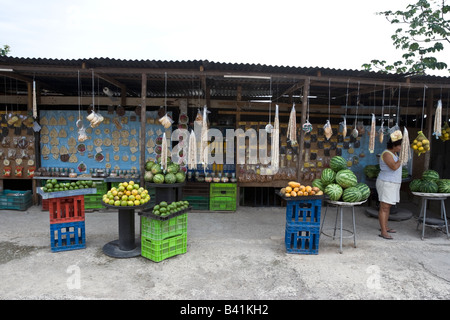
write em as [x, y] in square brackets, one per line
[34, 99]
[165, 92]
[423, 106]
[398, 104]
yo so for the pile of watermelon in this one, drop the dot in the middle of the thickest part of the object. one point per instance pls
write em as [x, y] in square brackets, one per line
[340, 183]
[154, 173]
[372, 170]
[430, 183]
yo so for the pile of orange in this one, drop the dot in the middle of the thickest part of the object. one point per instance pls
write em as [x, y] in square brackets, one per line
[296, 189]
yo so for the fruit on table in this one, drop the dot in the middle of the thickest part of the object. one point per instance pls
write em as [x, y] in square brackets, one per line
[328, 176]
[364, 189]
[164, 209]
[428, 186]
[52, 185]
[156, 174]
[296, 189]
[430, 175]
[346, 178]
[351, 194]
[334, 191]
[126, 194]
[338, 163]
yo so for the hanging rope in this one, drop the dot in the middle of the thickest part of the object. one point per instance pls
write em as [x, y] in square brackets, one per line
[398, 104]
[165, 92]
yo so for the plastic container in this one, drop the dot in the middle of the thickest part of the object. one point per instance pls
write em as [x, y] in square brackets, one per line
[68, 209]
[302, 239]
[162, 229]
[15, 200]
[67, 236]
[159, 250]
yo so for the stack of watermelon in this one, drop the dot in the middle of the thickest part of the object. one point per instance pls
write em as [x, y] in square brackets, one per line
[154, 173]
[340, 183]
[430, 183]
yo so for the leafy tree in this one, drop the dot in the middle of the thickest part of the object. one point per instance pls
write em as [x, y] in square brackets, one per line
[5, 50]
[424, 28]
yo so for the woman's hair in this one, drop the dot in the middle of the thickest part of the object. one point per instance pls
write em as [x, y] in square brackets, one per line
[391, 144]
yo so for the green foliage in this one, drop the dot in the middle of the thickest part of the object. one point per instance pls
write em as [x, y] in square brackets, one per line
[5, 50]
[424, 28]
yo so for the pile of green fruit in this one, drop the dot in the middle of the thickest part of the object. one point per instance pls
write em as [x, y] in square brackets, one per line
[155, 174]
[53, 185]
[164, 209]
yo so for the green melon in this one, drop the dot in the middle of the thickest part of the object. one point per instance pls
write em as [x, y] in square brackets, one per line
[170, 178]
[444, 186]
[158, 178]
[156, 168]
[334, 191]
[173, 168]
[318, 183]
[430, 175]
[346, 178]
[364, 189]
[180, 176]
[414, 185]
[328, 176]
[149, 165]
[148, 176]
[372, 170]
[338, 163]
[428, 186]
[351, 194]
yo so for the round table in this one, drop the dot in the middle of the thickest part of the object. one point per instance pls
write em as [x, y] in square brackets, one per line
[126, 246]
[340, 206]
[432, 222]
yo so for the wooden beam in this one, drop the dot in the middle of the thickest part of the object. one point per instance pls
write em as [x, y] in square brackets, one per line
[143, 131]
[429, 126]
[303, 120]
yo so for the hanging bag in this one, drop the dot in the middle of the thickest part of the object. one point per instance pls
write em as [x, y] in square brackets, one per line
[420, 144]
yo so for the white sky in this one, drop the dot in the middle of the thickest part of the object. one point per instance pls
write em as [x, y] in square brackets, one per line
[301, 33]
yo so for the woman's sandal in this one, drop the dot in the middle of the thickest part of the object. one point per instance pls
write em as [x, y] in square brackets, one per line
[390, 230]
[386, 237]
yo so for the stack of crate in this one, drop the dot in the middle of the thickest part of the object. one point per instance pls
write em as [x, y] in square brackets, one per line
[163, 237]
[222, 197]
[94, 201]
[303, 225]
[67, 223]
[197, 194]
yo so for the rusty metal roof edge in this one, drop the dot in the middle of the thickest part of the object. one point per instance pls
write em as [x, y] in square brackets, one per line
[209, 65]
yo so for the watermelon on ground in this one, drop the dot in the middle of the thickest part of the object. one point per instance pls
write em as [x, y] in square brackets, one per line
[334, 191]
[346, 178]
[351, 194]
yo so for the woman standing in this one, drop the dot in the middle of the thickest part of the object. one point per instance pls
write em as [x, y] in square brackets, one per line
[389, 181]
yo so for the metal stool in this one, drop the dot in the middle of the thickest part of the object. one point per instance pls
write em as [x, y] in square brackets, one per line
[431, 222]
[339, 211]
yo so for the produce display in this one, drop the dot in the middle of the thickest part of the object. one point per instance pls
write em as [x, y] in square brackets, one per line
[372, 170]
[52, 185]
[154, 172]
[296, 189]
[164, 209]
[344, 185]
[126, 194]
[430, 182]
[420, 144]
[445, 132]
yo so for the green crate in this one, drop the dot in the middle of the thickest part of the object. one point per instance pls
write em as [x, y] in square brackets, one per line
[93, 201]
[222, 204]
[162, 229]
[102, 187]
[198, 202]
[223, 190]
[158, 250]
[15, 200]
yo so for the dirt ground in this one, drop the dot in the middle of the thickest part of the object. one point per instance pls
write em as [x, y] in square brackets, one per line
[230, 256]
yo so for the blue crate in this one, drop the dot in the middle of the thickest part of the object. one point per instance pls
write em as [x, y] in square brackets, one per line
[299, 212]
[303, 239]
[67, 236]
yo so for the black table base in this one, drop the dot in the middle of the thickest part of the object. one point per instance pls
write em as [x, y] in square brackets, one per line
[126, 246]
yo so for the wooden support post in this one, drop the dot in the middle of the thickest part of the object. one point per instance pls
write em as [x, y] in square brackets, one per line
[302, 133]
[142, 132]
[429, 127]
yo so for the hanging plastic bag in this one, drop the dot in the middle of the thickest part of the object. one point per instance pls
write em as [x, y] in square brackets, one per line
[166, 121]
[381, 133]
[437, 120]
[328, 130]
[372, 135]
[82, 136]
[292, 127]
[445, 136]
[405, 152]
[420, 144]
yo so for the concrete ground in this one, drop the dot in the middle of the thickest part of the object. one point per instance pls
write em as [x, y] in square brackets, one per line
[229, 256]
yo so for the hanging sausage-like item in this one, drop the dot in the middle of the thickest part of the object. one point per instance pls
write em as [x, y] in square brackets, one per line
[372, 135]
[292, 127]
[275, 147]
[192, 154]
[438, 120]
[405, 152]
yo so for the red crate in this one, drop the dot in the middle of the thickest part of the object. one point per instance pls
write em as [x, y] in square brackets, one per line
[66, 209]
[45, 204]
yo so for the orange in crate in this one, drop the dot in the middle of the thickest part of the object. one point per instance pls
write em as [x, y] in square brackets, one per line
[66, 209]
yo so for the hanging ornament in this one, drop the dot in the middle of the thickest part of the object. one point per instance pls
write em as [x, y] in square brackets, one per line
[34, 100]
[164, 153]
[192, 154]
[307, 127]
